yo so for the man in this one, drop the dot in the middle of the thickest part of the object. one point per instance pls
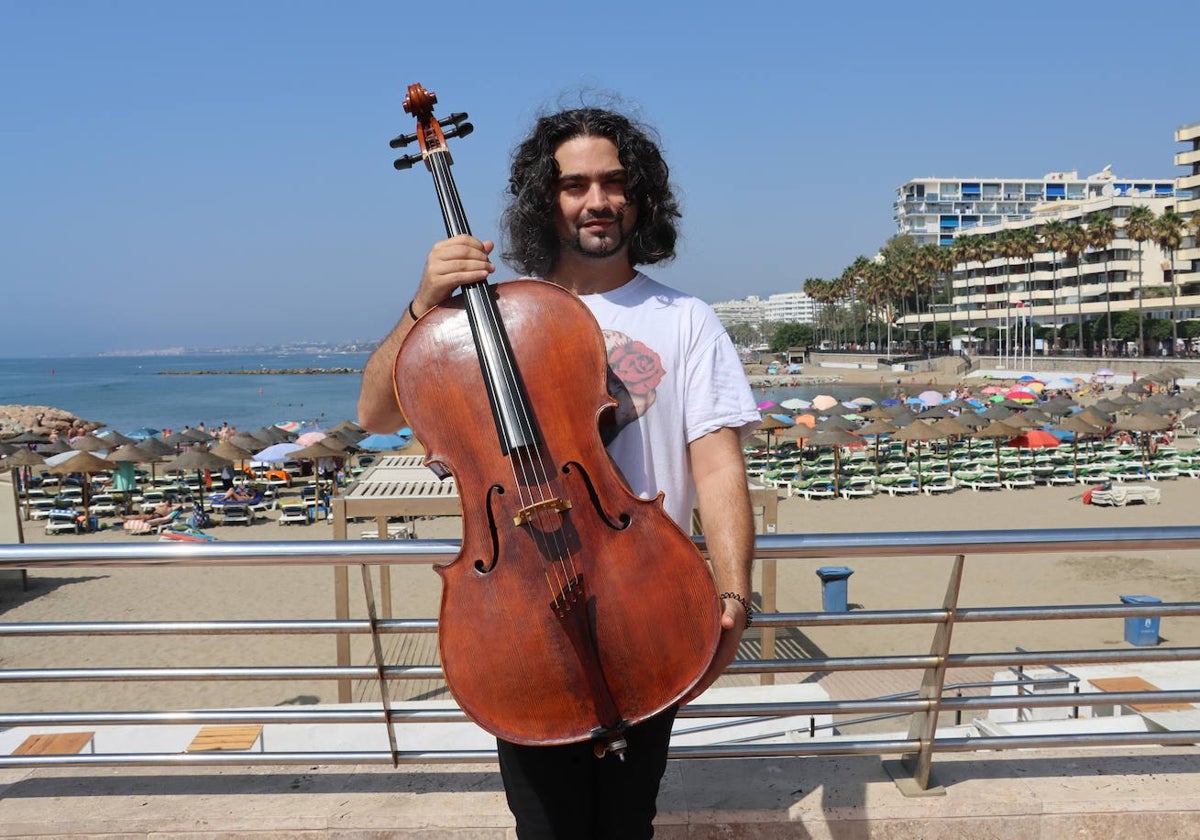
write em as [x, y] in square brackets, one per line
[590, 199]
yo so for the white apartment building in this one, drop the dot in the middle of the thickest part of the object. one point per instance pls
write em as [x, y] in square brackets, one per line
[792, 307]
[1189, 134]
[1051, 288]
[788, 307]
[936, 210]
[751, 310]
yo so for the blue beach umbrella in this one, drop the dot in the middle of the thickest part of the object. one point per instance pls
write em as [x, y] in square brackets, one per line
[277, 453]
[379, 443]
[142, 433]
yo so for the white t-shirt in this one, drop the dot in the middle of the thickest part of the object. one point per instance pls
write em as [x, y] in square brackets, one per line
[680, 378]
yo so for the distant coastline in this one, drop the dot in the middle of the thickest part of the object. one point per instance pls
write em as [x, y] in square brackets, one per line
[260, 372]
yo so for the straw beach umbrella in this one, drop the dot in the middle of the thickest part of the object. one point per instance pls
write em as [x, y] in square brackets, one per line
[1079, 427]
[123, 477]
[878, 429]
[317, 451]
[18, 461]
[918, 432]
[836, 438]
[199, 459]
[114, 438]
[1145, 424]
[997, 430]
[771, 424]
[228, 449]
[950, 428]
[87, 464]
[90, 443]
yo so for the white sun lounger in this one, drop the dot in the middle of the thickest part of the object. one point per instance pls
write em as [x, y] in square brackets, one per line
[1121, 495]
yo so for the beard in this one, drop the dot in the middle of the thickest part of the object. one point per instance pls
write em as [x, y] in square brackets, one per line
[600, 247]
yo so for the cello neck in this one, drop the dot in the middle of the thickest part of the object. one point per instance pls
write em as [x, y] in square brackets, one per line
[511, 411]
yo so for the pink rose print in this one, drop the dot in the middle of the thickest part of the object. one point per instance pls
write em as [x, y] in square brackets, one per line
[637, 366]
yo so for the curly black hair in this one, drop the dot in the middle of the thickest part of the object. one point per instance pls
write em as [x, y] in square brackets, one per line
[528, 221]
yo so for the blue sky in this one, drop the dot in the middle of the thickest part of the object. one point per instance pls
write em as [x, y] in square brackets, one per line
[213, 174]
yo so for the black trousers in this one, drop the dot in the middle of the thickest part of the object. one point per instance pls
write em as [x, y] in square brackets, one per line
[566, 793]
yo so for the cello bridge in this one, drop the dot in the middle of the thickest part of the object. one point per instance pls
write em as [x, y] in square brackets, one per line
[525, 515]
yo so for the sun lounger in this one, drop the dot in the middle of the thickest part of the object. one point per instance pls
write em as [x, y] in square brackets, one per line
[40, 508]
[236, 514]
[61, 521]
[856, 487]
[103, 505]
[152, 526]
[813, 488]
[1063, 475]
[1121, 495]
[1015, 479]
[293, 513]
[395, 531]
[978, 480]
[943, 484]
[1165, 471]
[902, 483]
[218, 500]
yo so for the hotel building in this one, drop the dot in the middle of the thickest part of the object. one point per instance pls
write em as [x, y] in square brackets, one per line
[788, 307]
[1050, 287]
[936, 210]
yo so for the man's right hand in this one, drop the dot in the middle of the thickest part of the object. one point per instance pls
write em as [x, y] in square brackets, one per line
[452, 263]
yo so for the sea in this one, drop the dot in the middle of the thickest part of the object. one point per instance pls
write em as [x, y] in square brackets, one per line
[128, 393]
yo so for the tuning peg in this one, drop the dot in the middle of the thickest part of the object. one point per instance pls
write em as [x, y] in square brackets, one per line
[406, 162]
[460, 130]
[453, 119]
[402, 141]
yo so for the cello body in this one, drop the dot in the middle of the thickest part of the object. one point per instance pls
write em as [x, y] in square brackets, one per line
[575, 609]
[642, 625]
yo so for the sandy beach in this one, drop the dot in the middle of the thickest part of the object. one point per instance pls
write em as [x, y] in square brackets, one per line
[111, 594]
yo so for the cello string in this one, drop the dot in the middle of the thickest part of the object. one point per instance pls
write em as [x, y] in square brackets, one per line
[497, 356]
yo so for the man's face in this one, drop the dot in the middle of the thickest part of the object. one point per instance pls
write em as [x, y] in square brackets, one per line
[593, 217]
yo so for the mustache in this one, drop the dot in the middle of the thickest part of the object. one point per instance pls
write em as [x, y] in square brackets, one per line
[609, 214]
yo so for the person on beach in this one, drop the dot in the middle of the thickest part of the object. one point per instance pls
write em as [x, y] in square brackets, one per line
[159, 511]
[590, 200]
[237, 494]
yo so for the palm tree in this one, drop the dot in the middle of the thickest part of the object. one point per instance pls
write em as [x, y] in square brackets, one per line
[975, 248]
[1100, 233]
[818, 290]
[927, 266]
[852, 281]
[1168, 234]
[876, 292]
[941, 262]
[1004, 245]
[1076, 244]
[1025, 247]
[1055, 238]
[962, 250]
[1139, 226]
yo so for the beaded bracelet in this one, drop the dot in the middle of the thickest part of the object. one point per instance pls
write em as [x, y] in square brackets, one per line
[746, 605]
[412, 314]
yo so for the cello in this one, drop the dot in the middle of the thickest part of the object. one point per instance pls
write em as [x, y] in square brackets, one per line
[574, 609]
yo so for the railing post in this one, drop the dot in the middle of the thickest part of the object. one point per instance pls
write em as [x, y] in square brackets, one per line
[768, 499]
[923, 727]
[377, 646]
[341, 605]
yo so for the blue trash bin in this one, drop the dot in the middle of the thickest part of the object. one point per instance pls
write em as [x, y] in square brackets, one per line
[834, 587]
[1141, 630]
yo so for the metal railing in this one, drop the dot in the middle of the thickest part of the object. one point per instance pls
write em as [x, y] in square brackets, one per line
[917, 748]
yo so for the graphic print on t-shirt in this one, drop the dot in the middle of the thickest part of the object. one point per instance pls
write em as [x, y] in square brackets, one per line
[634, 372]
